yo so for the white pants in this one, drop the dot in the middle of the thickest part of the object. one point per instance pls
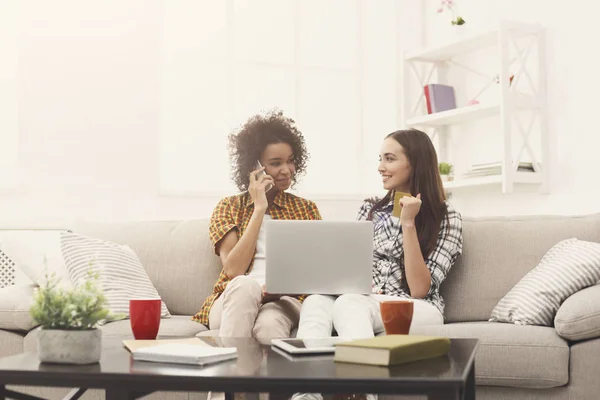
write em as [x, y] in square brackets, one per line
[355, 316]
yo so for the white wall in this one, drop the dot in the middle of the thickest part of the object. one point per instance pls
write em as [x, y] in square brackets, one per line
[89, 100]
[327, 64]
[88, 110]
[9, 46]
[572, 85]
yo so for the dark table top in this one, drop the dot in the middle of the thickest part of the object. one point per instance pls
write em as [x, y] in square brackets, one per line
[258, 368]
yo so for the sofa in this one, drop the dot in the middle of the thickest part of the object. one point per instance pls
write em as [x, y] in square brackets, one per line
[512, 362]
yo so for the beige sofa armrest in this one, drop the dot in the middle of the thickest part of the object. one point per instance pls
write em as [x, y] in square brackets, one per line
[578, 317]
[14, 307]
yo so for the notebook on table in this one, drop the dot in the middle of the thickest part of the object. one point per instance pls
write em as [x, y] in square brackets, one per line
[133, 345]
[183, 353]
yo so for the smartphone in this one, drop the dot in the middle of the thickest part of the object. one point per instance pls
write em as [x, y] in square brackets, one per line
[397, 210]
[263, 173]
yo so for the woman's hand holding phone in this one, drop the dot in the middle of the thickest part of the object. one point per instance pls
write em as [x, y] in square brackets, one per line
[260, 183]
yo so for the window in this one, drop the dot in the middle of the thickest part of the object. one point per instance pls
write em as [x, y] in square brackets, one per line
[328, 64]
[8, 96]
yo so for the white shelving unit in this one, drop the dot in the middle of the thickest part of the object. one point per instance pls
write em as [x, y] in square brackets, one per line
[434, 62]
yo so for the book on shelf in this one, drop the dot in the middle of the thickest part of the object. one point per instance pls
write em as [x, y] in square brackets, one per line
[391, 349]
[494, 168]
[184, 353]
[439, 98]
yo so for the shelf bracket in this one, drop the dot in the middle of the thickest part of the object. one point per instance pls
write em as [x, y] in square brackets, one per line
[523, 55]
[526, 146]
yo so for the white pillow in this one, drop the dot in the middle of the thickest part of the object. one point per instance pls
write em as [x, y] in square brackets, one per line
[37, 252]
[14, 307]
[569, 266]
[7, 270]
[122, 275]
[10, 273]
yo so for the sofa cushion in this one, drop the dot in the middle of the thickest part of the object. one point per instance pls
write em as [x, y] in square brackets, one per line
[14, 307]
[175, 327]
[211, 332]
[578, 317]
[511, 355]
[177, 256]
[122, 276]
[566, 268]
[498, 252]
[11, 343]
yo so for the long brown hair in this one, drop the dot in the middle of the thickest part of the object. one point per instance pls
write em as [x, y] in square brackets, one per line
[425, 179]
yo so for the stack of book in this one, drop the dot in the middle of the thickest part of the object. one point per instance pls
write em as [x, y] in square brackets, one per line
[494, 168]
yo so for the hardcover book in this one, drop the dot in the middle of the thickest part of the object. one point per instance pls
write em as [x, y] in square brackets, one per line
[439, 98]
[391, 349]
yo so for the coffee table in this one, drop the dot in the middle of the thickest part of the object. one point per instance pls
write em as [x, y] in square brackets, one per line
[258, 368]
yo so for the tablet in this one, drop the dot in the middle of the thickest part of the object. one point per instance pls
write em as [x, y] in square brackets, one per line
[304, 357]
[308, 346]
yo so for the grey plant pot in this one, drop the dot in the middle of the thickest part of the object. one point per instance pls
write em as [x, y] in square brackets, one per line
[69, 347]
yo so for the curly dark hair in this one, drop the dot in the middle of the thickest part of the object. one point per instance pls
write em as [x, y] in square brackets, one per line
[248, 143]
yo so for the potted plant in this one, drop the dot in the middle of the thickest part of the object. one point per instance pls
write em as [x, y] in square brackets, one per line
[69, 320]
[445, 170]
[450, 5]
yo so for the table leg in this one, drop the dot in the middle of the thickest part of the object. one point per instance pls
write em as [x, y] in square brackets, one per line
[124, 394]
[469, 390]
[117, 394]
[75, 394]
[11, 394]
[447, 394]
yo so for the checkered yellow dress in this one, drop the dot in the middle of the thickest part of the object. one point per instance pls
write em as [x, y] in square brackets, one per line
[234, 213]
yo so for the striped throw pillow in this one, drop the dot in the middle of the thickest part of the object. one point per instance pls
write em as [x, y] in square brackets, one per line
[569, 266]
[122, 275]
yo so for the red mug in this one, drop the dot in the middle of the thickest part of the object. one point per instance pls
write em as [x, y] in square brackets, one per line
[145, 318]
[396, 316]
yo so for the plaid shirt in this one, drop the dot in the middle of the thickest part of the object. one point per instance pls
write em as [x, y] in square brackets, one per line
[388, 253]
[234, 213]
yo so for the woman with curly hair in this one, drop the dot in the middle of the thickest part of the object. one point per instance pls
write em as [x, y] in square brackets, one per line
[239, 305]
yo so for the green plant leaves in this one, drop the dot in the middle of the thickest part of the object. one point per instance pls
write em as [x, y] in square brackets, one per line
[77, 309]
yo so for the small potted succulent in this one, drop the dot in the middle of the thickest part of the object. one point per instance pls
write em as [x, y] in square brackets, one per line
[445, 171]
[69, 319]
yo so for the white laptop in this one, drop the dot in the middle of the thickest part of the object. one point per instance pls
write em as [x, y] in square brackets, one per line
[319, 257]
